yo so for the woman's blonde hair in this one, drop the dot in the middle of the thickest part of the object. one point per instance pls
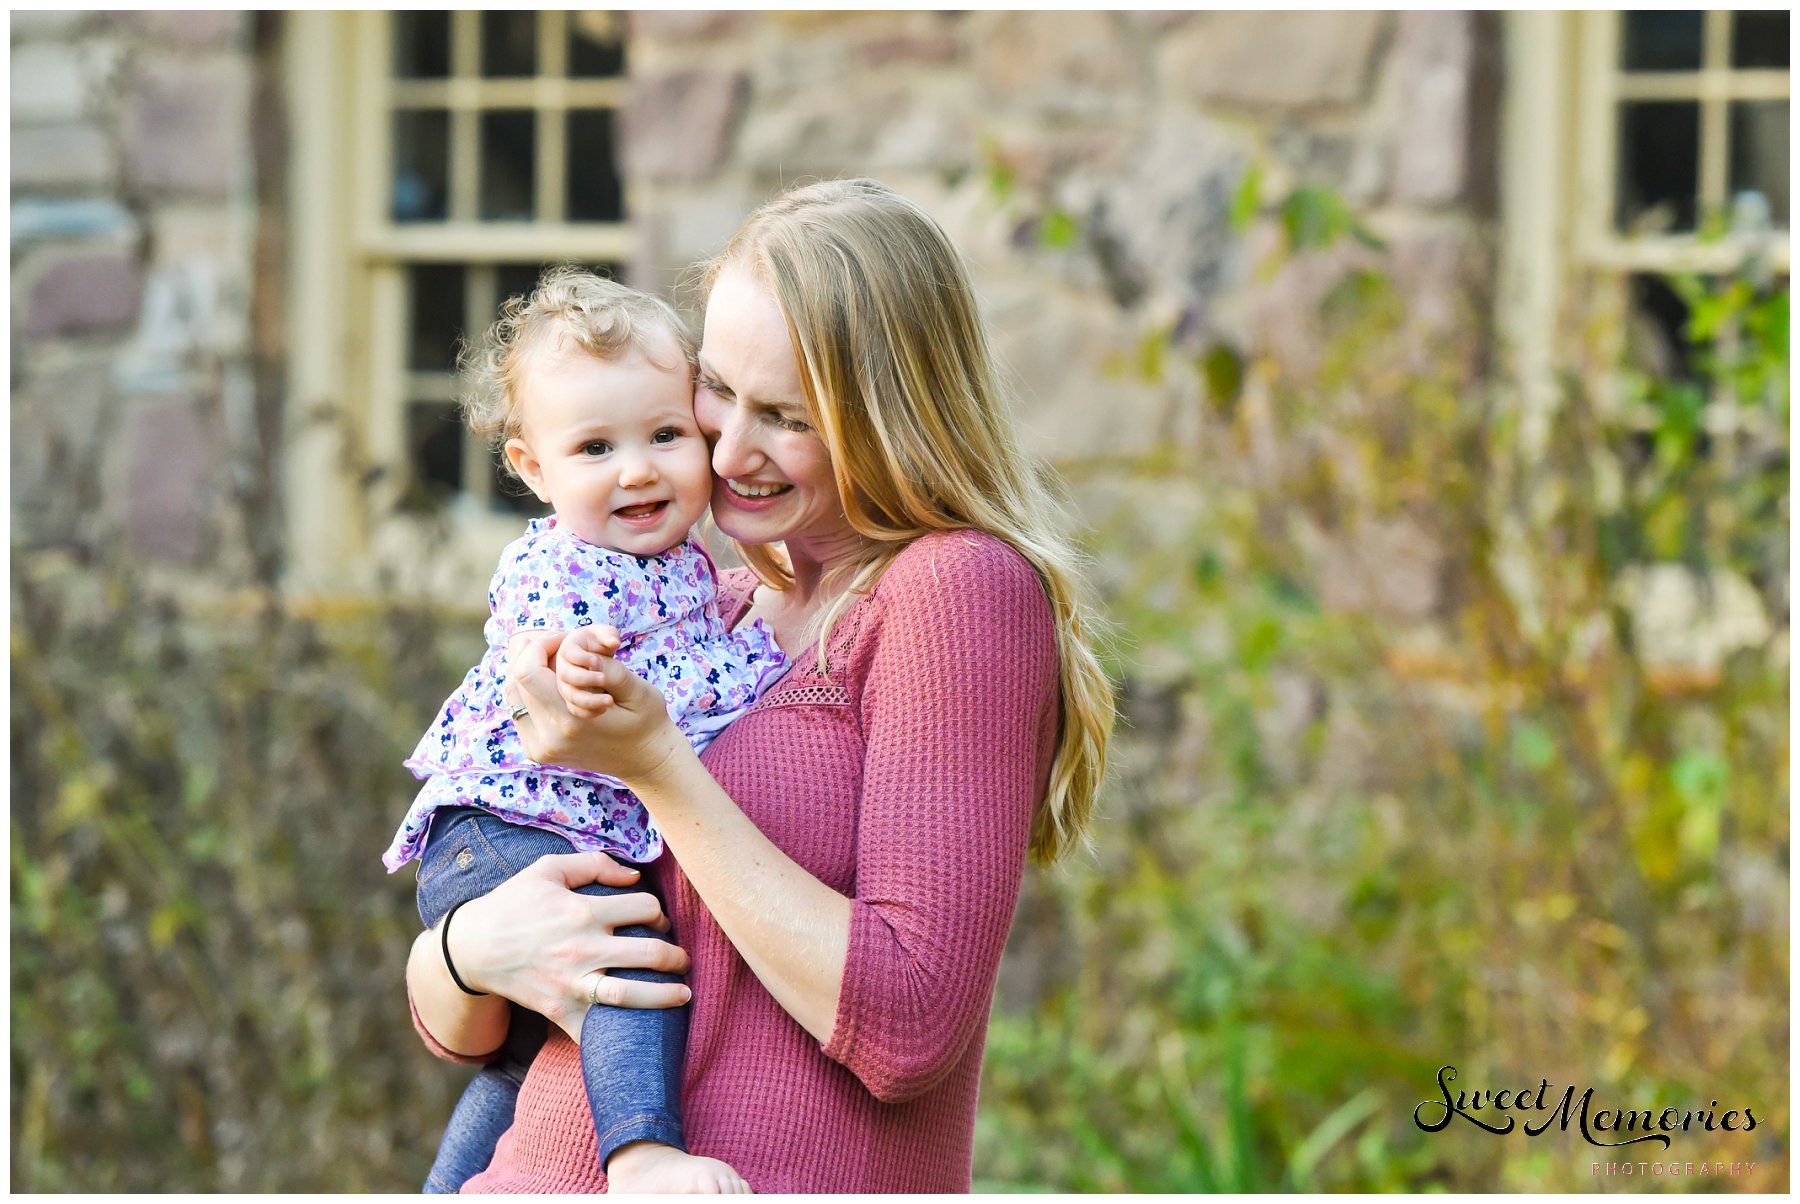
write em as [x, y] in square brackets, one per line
[570, 309]
[903, 391]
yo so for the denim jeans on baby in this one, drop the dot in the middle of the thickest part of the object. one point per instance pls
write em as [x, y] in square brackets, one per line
[630, 1057]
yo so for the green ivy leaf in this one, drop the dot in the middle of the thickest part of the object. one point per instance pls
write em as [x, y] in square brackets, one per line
[1223, 370]
[1058, 230]
[1700, 776]
[1307, 218]
[1000, 177]
[1247, 200]
[1150, 352]
[1209, 570]
[1533, 747]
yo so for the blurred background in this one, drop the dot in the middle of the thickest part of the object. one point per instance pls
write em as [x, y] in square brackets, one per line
[1420, 382]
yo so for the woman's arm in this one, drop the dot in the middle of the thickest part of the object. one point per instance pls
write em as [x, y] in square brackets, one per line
[895, 981]
[959, 711]
[533, 940]
[463, 1025]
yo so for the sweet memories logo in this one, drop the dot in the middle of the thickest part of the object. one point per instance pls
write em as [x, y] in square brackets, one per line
[1498, 1111]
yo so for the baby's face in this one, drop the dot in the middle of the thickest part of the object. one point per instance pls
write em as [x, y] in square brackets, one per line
[612, 445]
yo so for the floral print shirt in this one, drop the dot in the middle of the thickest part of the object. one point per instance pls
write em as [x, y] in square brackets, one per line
[666, 610]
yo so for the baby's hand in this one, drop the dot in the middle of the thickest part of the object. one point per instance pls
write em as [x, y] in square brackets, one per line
[520, 639]
[581, 669]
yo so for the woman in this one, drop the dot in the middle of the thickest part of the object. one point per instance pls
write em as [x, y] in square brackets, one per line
[847, 855]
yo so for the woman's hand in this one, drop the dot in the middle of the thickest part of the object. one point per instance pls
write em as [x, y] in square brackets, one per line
[535, 941]
[589, 711]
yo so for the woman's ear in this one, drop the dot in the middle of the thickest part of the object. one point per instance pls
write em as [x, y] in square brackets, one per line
[518, 454]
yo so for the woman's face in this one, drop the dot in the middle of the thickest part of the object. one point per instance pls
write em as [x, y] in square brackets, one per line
[772, 474]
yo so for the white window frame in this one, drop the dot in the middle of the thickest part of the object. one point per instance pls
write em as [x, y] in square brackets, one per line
[1714, 86]
[1558, 182]
[348, 263]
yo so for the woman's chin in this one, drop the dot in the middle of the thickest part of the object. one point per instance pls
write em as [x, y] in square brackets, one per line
[745, 532]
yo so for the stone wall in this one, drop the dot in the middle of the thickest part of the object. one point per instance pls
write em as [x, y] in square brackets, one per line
[135, 410]
[1086, 163]
[1133, 130]
[147, 169]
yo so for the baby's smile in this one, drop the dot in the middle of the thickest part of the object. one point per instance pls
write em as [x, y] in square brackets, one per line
[643, 513]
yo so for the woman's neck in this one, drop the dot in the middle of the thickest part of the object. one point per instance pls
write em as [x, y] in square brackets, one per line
[815, 565]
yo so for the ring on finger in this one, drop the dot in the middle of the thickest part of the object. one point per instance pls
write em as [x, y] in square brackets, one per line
[519, 712]
[594, 988]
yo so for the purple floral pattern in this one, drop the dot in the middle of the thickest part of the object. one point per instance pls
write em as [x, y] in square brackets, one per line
[672, 635]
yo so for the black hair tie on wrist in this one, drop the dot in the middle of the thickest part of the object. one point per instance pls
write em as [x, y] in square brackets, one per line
[444, 931]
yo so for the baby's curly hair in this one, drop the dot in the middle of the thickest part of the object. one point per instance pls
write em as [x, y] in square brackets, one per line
[575, 310]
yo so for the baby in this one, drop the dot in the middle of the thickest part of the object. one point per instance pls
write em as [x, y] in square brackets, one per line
[588, 387]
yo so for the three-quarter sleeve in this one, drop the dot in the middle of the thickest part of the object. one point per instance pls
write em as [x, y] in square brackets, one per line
[958, 710]
[438, 1048]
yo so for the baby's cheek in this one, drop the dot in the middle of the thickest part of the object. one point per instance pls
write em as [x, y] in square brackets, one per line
[696, 482]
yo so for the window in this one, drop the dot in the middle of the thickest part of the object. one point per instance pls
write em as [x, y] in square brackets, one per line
[440, 161]
[1685, 134]
[494, 136]
[1687, 143]
[1630, 144]
[1635, 144]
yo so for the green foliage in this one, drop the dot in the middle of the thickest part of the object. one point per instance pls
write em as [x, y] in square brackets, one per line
[1042, 223]
[1246, 202]
[1002, 179]
[1058, 230]
[1345, 846]
[1313, 217]
[1708, 496]
[1223, 371]
[207, 953]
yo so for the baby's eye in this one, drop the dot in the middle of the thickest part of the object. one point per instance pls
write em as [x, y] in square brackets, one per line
[598, 447]
[667, 435]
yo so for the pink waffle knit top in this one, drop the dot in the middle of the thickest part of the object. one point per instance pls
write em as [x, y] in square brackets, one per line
[906, 778]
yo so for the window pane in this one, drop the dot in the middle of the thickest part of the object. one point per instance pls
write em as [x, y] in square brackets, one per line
[434, 444]
[1659, 164]
[595, 194]
[508, 159]
[515, 280]
[1658, 342]
[421, 165]
[595, 45]
[421, 45]
[508, 43]
[436, 310]
[518, 279]
[1661, 41]
[1759, 39]
[1759, 154]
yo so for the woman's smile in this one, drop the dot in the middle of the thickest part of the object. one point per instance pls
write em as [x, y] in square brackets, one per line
[750, 496]
[750, 489]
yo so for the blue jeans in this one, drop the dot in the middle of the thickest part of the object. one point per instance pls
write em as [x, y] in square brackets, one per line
[630, 1057]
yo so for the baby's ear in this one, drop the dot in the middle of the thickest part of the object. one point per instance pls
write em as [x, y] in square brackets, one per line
[518, 454]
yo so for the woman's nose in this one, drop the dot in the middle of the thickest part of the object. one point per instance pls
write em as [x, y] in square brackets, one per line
[732, 453]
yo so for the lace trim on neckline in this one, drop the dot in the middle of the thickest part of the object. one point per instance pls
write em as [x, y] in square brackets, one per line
[805, 684]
